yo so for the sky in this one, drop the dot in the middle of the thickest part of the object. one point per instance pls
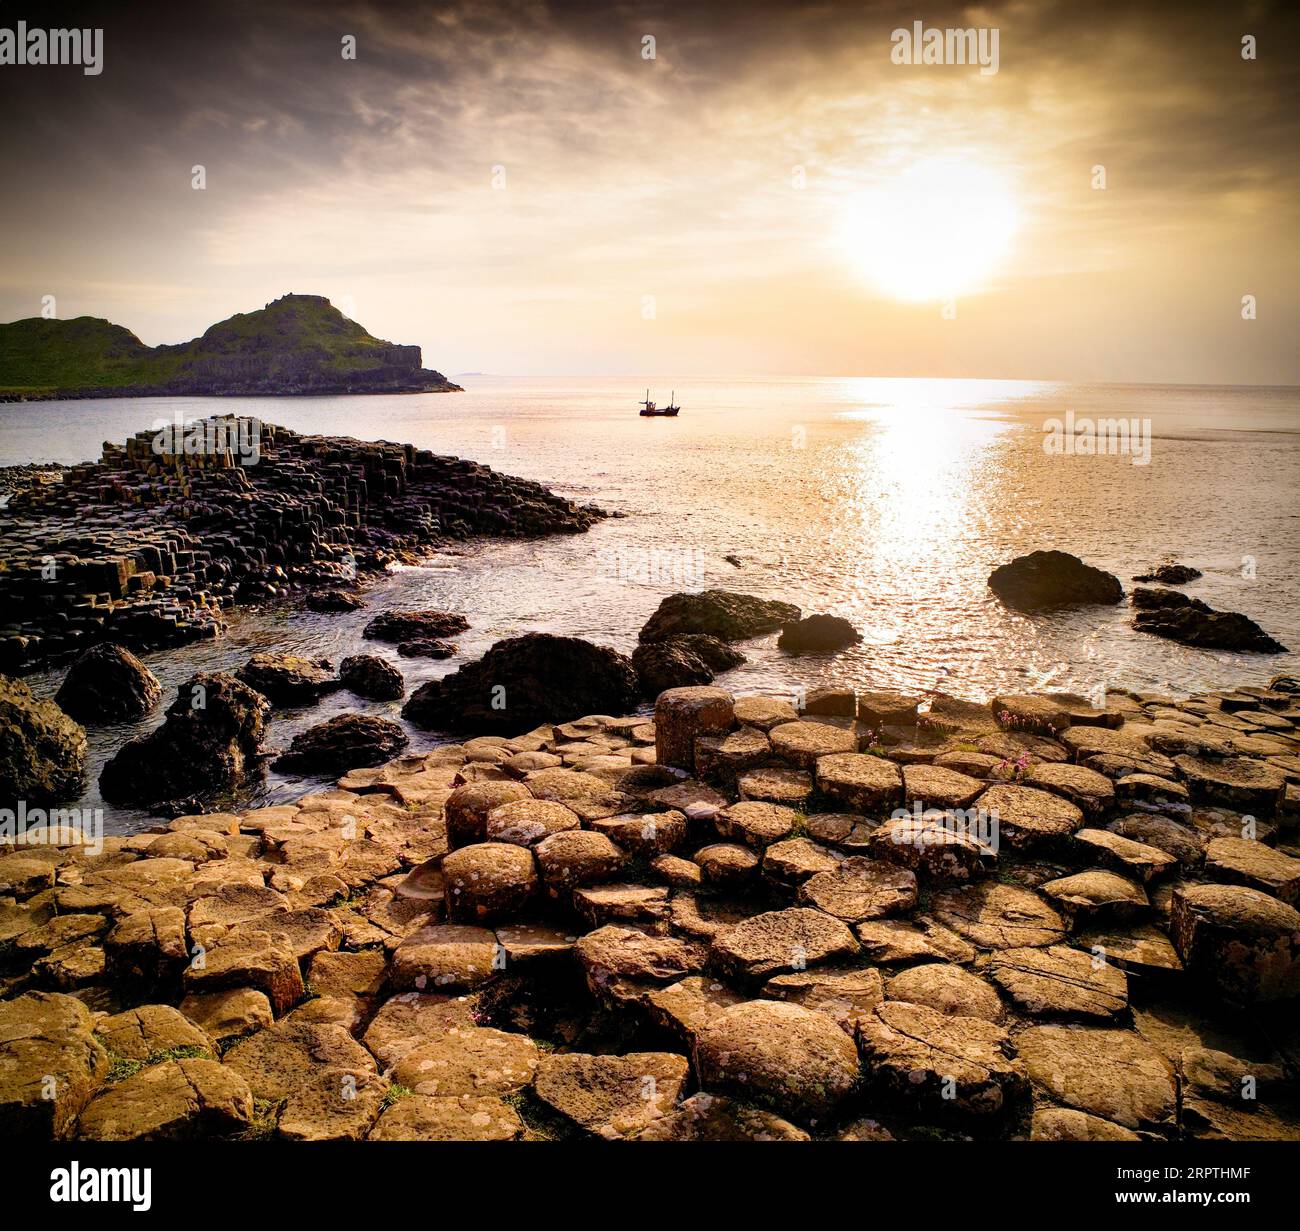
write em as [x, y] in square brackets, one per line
[521, 188]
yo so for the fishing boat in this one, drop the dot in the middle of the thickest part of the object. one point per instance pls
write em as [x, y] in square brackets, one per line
[650, 408]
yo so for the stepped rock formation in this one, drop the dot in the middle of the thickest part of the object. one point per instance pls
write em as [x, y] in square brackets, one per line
[148, 548]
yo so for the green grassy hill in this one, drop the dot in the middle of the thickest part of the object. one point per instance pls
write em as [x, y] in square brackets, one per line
[297, 344]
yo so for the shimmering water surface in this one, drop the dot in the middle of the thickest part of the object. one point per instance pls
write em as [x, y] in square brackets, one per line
[885, 501]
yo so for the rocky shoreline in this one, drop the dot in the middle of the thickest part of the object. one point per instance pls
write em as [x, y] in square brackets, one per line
[872, 916]
[148, 547]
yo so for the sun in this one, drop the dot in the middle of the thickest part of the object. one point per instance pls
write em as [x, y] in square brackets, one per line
[934, 231]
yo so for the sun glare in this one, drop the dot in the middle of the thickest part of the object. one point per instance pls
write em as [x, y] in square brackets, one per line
[934, 231]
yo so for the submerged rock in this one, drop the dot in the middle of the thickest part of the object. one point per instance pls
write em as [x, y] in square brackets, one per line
[334, 600]
[1171, 574]
[108, 684]
[415, 625]
[368, 675]
[817, 634]
[720, 613]
[525, 681]
[1176, 617]
[42, 751]
[210, 741]
[1045, 579]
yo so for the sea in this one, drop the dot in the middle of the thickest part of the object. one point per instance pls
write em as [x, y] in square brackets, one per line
[886, 501]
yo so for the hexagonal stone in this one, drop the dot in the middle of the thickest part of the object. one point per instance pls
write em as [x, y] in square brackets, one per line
[946, 989]
[179, 1100]
[1149, 788]
[526, 822]
[756, 824]
[645, 834]
[1247, 861]
[137, 1034]
[348, 974]
[1027, 818]
[931, 846]
[249, 959]
[1063, 1124]
[1061, 982]
[776, 784]
[687, 1006]
[940, 1065]
[407, 1020]
[1165, 834]
[677, 872]
[726, 864]
[846, 831]
[622, 963]
[1139, 948]
[601, 904]
[846, 996]
[1113, 1074]
[212, 917]
[794, 1060]
[46, 1035]
[488, 881]
[694, 800]
[278, 1061]
[446, 957]
[682, 715]
[778, 941]
[704, 917]
[1239, 782]
[612, 1096]
[902, 942]
[230, 1014]
[1244, 943]
[882, 708]
[793, 861]
[1090, 741]
[763, 712]
[423, 1117]
[535, 943]
[934, 787]
[713, 1117]
[802, 744]
[147, 946]
[1091, 792]
[1134, 859]
[578, 857]
[997, 916]
[467, 808]
[472, 1060]
[1097, 895]
[860, 782]
[861, 889]
[59, 931]
[721, 758]
[333, 1105]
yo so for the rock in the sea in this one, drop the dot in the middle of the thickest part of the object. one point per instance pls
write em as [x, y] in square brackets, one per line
[719, 613]
[1171, 574]
[523, 682]
[370, 676]
[108, 684]
[1176, 617]
[681, 661]
[817, 634]
[42, 751]
[210, 741]
[334, 600]
[426, 647]
[415, 625]
[1243, 943]
[1045, 579]
[796, 1061]
[289, 679]
[346, 741]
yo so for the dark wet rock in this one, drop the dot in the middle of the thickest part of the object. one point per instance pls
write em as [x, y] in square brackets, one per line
[525, 681]
[210, 741]
[1171, 574]
[288, 679]
[334, 600]
[415, 625]
[796, 1061]
[817, 634]
[108, 684]
[346, 741]
[682, 661]
[42, 751]
[1045, 579]
[719, 613]
[368, 675]
[427, 647]
[1175, 616]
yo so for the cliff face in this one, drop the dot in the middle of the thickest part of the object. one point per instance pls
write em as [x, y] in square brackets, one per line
[297, 344]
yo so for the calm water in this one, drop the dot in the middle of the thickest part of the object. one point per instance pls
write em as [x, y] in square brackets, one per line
[885, 501]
